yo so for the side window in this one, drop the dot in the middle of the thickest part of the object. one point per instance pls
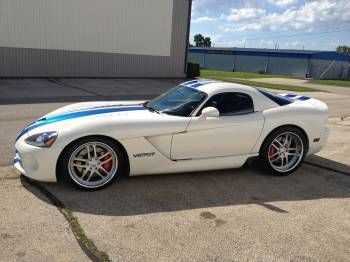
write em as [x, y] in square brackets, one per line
[231, 103]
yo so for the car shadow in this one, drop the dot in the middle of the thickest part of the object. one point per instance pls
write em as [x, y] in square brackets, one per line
[175, 192]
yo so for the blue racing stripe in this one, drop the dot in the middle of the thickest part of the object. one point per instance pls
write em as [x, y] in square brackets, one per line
[196, 85]
[303, 98]
[67, 116]
[199, 83]
[290, 95]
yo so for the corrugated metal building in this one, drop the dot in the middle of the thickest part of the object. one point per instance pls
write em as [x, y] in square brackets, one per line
[296, 63]
[93, 38]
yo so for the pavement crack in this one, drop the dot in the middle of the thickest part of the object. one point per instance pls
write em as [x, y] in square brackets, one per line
[327, 168]
[60, 83]
[272, 207]
[85, 243]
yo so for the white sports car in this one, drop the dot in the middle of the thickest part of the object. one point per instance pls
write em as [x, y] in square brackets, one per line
[198, 125]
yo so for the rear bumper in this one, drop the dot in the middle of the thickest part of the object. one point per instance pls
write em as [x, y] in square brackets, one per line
[316, 146]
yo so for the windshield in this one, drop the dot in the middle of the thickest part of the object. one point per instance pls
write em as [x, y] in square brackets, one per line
[178, 101]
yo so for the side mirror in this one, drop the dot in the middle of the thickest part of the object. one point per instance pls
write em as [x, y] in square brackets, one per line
[209, 112]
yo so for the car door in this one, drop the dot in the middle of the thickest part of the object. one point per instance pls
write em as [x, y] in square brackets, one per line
[234, 132]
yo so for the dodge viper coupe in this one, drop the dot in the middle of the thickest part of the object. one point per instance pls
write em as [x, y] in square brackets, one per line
[198, 125]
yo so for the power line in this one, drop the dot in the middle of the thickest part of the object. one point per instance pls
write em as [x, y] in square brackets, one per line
[304, 34]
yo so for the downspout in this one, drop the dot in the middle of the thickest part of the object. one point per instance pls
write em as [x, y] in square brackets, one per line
[188, 33]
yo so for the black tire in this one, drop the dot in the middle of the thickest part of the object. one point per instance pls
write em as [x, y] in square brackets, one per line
[64, 173]
[264, 159]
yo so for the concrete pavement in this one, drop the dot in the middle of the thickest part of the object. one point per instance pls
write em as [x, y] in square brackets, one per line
[28, 91]
[31, 229]
[229, 215]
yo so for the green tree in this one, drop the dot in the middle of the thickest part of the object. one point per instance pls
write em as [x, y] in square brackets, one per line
[207, 42]
[198, 40]
[343, 49]
[201, 41]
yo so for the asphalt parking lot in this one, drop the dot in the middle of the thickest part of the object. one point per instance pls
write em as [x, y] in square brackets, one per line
[230, 215]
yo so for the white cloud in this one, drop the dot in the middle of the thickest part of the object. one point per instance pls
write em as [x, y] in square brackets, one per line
[203, 19]
[245, 14]
[283, 3]
[307, 17]
[221, 41]
[205, 6]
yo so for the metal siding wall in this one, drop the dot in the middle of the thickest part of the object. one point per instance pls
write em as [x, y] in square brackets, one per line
[197, 58]
[251, 63]
[339, 70]
[219, 62]
[288, 66]
[279, 63]
[28, 62]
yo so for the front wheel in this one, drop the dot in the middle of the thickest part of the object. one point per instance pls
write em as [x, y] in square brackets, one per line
[91, 163]
[283, 151]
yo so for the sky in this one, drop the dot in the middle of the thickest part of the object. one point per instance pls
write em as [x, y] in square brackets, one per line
[283, 24]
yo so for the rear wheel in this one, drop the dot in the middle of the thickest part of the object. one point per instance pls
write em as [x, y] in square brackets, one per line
[283, 151]
[91, 163]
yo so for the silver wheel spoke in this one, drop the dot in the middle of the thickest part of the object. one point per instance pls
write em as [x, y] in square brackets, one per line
[282, 161]
[293, 154]
[279, 157]
[278, 142]
[275, 154]
[276, 147]
[103, 156]
[103, 169]
[99, 174]
[85, 173]
[106, 161]
[88, 151]
[81, 160]
[95, 151]
[90, 176]
[78, 165]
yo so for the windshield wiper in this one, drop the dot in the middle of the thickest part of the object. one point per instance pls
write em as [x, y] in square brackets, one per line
[150, 108]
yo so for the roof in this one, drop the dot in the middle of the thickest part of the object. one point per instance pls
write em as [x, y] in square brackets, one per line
[290, 53]
[212, 87]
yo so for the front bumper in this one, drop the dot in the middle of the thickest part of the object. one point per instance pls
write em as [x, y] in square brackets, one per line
[17, 164]
[36, 163]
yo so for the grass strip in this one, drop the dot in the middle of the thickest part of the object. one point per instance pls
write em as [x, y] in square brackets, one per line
[261, 84]
[245, 75]
[342, 83]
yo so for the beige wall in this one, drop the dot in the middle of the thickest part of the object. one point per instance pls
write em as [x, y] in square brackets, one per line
[141, 27]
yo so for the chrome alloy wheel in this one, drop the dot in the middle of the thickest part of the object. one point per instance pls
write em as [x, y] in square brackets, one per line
[285, 152]
[93, 164]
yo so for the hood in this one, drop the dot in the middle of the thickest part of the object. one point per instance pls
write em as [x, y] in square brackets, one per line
[85, 110]
[92, 105]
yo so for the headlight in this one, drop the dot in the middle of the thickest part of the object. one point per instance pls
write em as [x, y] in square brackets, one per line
[45, 139]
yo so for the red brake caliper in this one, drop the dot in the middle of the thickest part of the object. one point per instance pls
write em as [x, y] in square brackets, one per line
[272, 151]
[108, 165]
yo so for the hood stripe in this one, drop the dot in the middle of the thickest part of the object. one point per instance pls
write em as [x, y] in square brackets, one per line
[68, 116]
[94, 108]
